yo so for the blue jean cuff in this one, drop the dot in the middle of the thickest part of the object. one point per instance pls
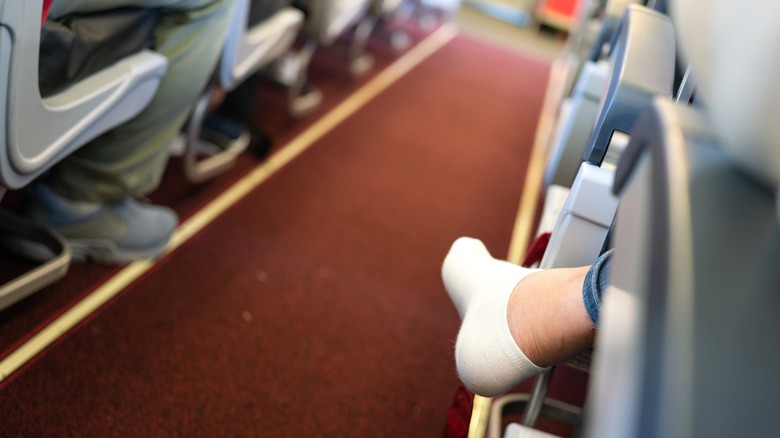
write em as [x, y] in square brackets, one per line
[594, 285]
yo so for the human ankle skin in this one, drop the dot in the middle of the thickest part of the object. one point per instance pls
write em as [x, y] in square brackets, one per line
[547, 317]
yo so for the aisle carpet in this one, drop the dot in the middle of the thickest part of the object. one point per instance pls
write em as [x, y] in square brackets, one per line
[314, 307]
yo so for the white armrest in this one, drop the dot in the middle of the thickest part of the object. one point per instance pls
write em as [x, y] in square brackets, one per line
[248, 50]
[584, 221]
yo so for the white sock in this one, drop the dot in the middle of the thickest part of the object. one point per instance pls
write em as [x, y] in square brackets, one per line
[489, 361]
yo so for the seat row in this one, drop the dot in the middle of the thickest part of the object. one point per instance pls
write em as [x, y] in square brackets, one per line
[679, 174]
[77, 107]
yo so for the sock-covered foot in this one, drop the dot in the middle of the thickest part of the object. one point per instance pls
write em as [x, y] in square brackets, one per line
[488, 359]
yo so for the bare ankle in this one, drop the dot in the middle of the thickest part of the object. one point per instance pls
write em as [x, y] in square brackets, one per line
[547, 317]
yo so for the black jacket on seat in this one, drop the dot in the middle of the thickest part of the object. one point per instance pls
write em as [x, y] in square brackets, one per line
[79, 45]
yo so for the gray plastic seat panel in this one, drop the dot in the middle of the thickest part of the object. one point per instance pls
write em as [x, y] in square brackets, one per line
[36, 133]
[687, 345]
[643, 61]
[575, 125]
[72, 117]
[584, 220]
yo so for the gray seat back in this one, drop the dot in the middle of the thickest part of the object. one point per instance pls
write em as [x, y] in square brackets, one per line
[693, 297]
[687, 346]
[634, 78]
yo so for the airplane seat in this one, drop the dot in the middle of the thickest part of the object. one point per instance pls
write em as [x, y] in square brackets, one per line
[642, 64]
[270, 30]
[750, 136]
[687, 344]
[591, 38]
[583, 36]
[38, 131]
[261, 32]
[587, 65]
[576, 117]
[325, 21]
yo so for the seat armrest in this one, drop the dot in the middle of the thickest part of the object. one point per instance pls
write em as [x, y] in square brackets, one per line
[249, 49]
[584, 220]
[36, 133]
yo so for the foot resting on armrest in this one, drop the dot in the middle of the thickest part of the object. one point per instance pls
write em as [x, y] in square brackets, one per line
[516, 321]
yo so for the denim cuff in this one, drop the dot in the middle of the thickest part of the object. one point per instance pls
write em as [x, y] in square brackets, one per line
[594, 285]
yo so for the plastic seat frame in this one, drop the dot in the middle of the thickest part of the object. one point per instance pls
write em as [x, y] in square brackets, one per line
[247, 51]
[37, 132]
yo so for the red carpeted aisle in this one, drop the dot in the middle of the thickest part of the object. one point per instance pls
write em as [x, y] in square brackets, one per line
[314, 307]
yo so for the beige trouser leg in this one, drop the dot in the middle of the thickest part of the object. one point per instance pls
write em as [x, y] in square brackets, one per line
[130, 159]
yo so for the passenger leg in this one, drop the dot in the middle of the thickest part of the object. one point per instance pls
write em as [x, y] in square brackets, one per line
[130, 159]
[88, 197]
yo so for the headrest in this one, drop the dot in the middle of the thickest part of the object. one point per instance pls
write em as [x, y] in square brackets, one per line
[733, 47]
